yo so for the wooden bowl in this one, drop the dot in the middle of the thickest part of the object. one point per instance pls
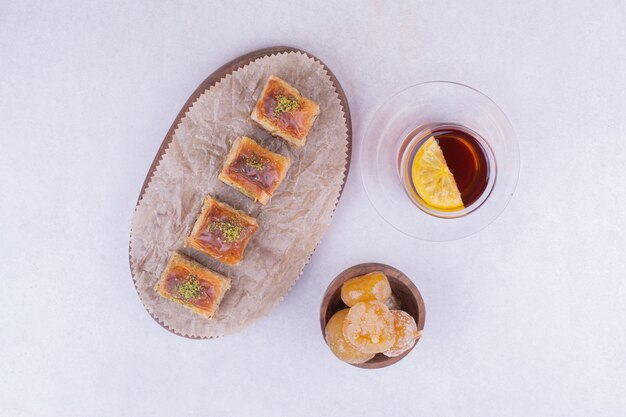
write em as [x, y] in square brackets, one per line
[401, 286]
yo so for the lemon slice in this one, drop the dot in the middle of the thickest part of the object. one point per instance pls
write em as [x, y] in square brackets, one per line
[433, 180]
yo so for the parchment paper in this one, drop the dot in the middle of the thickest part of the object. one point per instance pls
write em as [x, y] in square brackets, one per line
[290, 225]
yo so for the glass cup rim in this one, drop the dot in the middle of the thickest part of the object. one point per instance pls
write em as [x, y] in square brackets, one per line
[397, 93]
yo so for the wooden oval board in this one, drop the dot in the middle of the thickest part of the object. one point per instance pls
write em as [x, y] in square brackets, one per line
[211, 81]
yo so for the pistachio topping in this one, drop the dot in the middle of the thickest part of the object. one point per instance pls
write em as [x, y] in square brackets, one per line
[190, 288]
[254, 162]
[285, 104]
[229, 231]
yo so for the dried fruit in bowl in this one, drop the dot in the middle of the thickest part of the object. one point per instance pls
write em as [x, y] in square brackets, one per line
[372, 286]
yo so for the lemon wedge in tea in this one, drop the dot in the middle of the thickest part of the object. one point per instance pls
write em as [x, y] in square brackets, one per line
[433, 180]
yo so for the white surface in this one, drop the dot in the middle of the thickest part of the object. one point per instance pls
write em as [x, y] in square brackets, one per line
[524, 319]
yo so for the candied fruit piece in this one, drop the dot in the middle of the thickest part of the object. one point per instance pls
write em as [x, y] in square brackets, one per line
[339, 345]
[406, 333]
[369, 327]
[393, 302]
[372, 286]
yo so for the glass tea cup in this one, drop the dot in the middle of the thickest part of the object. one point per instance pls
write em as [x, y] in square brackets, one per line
[464, 123]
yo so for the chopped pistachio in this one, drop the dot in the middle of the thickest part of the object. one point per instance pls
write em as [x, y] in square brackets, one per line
[285, 104]
[254, 162]
[190, 288]
[229, 231]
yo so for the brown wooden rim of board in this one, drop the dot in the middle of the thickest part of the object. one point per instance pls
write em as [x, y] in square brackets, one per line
[397, 279]
[209, 82]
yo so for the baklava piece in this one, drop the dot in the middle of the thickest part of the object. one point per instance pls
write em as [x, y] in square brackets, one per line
[221, 232]
[194, 286]
[253, 170]
[284, 112]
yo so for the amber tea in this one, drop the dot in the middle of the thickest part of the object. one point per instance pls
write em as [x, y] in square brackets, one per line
[445, 168]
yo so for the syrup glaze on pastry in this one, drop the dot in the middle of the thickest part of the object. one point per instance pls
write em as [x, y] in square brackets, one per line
[192, 285]
[222, 232]
[284, 112]
[254, 170]
[252, 167]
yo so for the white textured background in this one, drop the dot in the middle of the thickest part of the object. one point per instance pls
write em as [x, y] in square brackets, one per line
[525, 318]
